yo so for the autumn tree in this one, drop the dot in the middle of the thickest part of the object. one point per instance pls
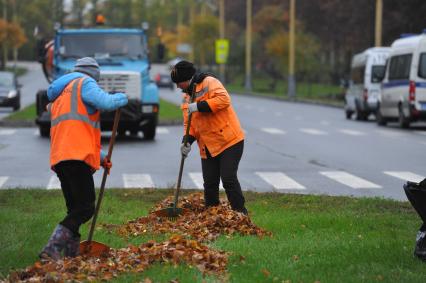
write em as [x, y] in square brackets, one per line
[11, 36]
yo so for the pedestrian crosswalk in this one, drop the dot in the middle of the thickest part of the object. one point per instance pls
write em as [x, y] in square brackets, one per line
[264, 180]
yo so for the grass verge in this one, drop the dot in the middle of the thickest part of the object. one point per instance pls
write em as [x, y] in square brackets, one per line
[316, 238]
[168, 112]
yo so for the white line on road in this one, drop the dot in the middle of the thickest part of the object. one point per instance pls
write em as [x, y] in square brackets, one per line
[350, 180]
[313, 131]
[7, 132]
[3, 180]
[162, 130]
[273, 131]
[197, 179]
[405, 175]
[138, 181]
[54, 183]
[280, 181]
[351, 132]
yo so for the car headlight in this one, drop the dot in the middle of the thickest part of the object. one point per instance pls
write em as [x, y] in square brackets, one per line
[12, 93]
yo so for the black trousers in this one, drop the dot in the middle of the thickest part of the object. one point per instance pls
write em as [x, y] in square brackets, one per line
[225, 167]
[78, 189]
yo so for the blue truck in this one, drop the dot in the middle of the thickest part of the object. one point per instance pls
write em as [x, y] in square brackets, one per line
[122, 54]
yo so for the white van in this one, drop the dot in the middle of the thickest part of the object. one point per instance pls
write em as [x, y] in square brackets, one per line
[367, 71]
[403, 95]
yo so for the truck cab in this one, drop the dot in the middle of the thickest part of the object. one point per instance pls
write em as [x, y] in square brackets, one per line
[122, 55]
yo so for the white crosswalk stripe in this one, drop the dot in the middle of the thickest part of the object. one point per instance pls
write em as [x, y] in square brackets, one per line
[404, 175]
[280, 181]
[313, 131]
[54, 183]
[7, 132]
[162, 130]
[138, 181]
[350, 180]
[273, 131]
[3, 180]
[197, 179]
[351, 132]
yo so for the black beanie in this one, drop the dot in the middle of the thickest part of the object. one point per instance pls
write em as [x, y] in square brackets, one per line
[182, 71]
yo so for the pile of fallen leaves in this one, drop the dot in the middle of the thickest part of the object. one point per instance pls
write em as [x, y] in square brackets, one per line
[200, 223]
[131, 259]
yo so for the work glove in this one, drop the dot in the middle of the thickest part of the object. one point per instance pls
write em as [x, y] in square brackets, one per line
[185, 149]
[192, 107]
[106, 164]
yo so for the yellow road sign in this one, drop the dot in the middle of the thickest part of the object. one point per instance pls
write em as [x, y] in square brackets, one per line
[222, 50]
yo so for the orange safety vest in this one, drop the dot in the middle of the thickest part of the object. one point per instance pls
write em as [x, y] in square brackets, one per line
[74, 134]
[216, 130]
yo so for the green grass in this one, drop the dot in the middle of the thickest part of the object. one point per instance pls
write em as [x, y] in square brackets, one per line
[315, 238]
[168, 112]
[18, 70]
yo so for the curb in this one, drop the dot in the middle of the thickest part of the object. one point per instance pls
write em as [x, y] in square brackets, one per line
[32, 124]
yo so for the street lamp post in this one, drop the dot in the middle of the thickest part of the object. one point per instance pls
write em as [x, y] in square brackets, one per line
[291, 76]
[378, 29]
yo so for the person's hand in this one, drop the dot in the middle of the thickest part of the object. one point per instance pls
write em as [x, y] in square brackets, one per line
[185, 149]
[106, 164]
[192, 107]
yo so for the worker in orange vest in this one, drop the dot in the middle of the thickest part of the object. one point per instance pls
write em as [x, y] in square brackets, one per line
[216, 128]
[75, 154]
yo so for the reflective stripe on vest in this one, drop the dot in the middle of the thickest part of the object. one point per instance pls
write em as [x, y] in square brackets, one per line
[73, 114]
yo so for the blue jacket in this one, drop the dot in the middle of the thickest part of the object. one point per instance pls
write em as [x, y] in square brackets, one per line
[94, 98]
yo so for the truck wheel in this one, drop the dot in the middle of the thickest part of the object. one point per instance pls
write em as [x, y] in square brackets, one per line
[17, 106]
[41, 102]
[149, 132]
[44, 131]
[402, 120]
[381, 121]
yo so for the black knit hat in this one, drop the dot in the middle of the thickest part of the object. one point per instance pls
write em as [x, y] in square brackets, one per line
[182, 71]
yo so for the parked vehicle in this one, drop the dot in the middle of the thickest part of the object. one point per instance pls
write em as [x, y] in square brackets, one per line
[367, 71]
[164, 80]
[10, 94]
[123, 58]
[403, 95]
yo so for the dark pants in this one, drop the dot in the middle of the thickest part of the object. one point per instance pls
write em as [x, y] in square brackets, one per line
[79, 192]
[225, 167]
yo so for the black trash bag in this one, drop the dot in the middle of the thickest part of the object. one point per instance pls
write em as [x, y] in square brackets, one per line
[416, 194]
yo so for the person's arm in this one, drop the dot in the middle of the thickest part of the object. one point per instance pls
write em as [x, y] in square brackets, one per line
[218, 96]
[94, 96]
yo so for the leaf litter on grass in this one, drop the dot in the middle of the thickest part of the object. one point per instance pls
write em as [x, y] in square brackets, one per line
[185, 245]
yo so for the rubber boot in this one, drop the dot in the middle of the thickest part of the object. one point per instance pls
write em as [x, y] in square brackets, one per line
[56, 243]
[72, 247]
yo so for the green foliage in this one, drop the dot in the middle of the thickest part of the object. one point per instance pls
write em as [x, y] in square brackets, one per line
[315, 238]
[204, 32]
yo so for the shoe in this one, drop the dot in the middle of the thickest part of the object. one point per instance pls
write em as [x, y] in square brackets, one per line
[56, 243]
[72, 247]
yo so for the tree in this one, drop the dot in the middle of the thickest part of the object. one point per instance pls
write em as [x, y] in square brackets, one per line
[11, 36]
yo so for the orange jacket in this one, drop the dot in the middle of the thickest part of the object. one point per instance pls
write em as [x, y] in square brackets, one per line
[75, 135]
[216, 130]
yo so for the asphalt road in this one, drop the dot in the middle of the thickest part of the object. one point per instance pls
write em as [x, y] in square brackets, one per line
[289, 148]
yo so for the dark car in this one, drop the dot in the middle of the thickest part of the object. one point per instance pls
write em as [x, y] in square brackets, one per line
[163, 80]
[10, 95]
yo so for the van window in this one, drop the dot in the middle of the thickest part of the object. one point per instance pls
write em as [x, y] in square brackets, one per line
[399, 68]
[422, 66]
[357, 75]
[377, 73]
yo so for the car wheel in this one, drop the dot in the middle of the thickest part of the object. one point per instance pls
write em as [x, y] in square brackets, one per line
[402, 120]
[348, 114]
[44, 131]
[17, 106]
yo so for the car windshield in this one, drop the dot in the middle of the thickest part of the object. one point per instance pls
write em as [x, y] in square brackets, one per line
[102, 45]
[6, 79]
[378, 73]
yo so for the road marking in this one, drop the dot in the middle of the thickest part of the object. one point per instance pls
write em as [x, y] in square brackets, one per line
[389, 133]
[162, 130]
[273, 131]
[280, 181]
[138, 181]
[313, 131]
[420, 132]
[197, 179]
[405, 175]
[7, 132]
[3, 180]
[350, 180]
[54, 183]
[351, 132]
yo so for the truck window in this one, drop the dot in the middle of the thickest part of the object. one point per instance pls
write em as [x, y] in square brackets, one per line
[357, 75]
[377, 73]
[422, 66]
[399, 68]
[102, 45]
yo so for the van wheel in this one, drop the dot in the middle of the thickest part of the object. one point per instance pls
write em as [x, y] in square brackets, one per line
[381, 121]
[348, 114]
[402, 120]
[359, 114]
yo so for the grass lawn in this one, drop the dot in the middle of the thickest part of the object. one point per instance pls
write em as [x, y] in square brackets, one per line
[168, 112]
[315, 238]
